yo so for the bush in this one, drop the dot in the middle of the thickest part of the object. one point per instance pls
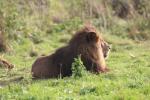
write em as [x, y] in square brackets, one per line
[78, 69]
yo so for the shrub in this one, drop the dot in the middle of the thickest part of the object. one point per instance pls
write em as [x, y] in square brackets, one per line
[78, 69]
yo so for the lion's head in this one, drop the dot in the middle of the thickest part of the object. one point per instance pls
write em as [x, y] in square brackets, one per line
[89, 37]
[91, 46]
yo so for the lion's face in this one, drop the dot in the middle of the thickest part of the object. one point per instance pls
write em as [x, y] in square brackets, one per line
[106, 48]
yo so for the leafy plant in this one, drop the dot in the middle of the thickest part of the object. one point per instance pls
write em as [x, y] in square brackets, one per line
[78, 69]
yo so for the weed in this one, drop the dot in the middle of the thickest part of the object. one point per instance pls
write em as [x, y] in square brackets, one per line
[78, 69]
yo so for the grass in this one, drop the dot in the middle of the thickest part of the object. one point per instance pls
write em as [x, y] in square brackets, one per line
[129, 78]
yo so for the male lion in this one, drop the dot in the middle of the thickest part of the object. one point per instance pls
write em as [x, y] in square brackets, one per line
[87, 43]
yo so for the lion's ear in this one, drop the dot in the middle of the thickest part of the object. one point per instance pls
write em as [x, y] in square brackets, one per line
[92, 37]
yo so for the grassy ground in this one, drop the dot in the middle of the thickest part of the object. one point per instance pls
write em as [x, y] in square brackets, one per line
[129, 78]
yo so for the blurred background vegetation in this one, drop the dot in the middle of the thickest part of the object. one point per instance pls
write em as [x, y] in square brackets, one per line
[36, 18]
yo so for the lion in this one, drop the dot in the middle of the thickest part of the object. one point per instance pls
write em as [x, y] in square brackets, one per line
[87, 43]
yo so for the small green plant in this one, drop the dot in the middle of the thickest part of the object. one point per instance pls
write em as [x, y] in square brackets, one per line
[78, 69]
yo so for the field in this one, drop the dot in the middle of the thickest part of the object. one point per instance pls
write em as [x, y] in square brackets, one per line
[129, 77]
[29, 35]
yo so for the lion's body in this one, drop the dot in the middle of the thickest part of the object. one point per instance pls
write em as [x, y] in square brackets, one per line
[55, 65]
[86, 43]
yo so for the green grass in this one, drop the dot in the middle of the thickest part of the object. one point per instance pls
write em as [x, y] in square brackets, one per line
[129, 78]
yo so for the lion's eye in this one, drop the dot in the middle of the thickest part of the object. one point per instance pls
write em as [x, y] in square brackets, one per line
[109, 46]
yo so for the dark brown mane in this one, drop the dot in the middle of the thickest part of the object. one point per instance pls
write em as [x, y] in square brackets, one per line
[81, 33]
[78, 42]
